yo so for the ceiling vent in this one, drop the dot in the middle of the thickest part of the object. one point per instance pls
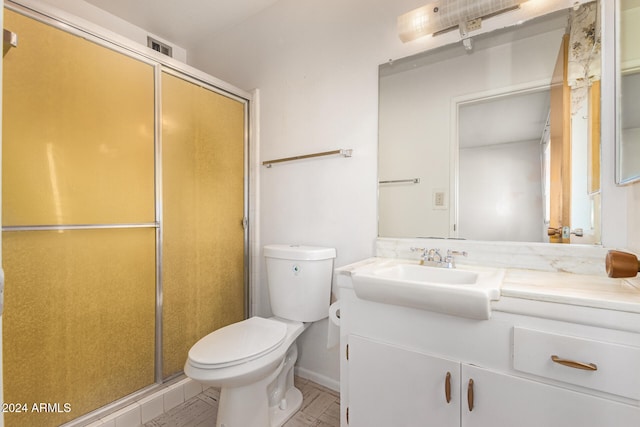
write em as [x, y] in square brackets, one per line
[158, 46]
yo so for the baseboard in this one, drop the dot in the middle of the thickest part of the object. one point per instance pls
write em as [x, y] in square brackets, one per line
[323, 380]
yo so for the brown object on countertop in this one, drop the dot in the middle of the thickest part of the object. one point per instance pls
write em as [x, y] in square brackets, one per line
[622, 264]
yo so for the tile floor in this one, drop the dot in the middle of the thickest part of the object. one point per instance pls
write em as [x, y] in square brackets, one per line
[320, 408]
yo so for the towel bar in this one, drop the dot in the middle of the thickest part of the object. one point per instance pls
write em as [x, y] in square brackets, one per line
[342, 152]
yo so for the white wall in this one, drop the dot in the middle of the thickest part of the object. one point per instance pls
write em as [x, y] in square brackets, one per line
[633, 213]
[316, 65]
[582, 204]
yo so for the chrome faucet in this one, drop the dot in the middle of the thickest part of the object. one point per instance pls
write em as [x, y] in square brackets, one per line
[433, 257]
[449, 261]
[430, 257]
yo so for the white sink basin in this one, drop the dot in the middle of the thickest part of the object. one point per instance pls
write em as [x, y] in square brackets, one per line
[464, 291]
[412, 272]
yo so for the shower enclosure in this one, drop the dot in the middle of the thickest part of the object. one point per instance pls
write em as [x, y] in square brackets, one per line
[124, 218]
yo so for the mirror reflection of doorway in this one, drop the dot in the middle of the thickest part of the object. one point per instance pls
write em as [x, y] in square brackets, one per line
[501, 188]
[504, 186]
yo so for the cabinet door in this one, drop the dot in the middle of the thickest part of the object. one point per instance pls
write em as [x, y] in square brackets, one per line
[504, 400]
[393, 386]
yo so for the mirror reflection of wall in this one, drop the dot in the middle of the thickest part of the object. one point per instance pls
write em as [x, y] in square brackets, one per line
[501, 163]
[629, 142]
[426, 102]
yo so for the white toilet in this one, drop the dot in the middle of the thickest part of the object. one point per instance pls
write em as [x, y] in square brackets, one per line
[252, 361]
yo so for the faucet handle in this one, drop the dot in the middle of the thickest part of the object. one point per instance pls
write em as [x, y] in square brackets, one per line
[449, 260]
[432, 254]
[451, 253]
[423, 253]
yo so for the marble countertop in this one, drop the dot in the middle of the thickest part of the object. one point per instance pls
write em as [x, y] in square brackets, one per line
[557, 287]
[573, 289]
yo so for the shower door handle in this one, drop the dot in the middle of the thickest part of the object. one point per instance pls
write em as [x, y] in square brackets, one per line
[1, 291]
[9, 38]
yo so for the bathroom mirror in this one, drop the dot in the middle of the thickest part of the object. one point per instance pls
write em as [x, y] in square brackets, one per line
[628, 89]
[464, 138]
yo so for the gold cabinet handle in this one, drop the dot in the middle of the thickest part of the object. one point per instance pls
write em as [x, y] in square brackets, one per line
[575, 364]
[447, 387]
[470, 394]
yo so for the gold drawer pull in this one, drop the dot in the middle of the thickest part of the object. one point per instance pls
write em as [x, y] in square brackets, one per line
[447, 387]
[574, 364]
[470, 395]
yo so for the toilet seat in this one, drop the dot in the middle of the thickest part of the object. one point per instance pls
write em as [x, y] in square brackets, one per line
[238, 343]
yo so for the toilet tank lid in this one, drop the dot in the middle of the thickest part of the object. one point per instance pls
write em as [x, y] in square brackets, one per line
[299, 252]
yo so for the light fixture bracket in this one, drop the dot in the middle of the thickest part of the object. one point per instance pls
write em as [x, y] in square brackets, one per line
[446, 15]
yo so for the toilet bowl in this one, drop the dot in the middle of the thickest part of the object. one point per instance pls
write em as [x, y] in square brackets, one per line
[244, 368]
[252, 361]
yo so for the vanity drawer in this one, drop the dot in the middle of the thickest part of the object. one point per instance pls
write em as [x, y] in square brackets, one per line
[611, 368]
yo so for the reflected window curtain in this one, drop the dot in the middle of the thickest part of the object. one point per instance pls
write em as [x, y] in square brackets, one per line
[584, 65]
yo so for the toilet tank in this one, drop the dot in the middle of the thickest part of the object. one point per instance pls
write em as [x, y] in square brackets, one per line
[299, 281]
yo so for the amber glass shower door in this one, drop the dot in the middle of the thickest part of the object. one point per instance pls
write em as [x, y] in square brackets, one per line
[79, 224]
[203, 135]
[123, 201]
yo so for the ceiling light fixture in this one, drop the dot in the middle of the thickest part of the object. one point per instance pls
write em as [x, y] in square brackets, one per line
[446, 15]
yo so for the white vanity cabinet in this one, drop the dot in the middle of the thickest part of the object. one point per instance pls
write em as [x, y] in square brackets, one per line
[405, 367]
[502, 400]
[394, 386]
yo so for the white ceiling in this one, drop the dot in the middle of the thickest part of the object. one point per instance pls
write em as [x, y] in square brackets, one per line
[513, 118]
[183, 22]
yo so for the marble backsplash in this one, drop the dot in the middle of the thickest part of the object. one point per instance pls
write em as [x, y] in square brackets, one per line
[577, 259]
